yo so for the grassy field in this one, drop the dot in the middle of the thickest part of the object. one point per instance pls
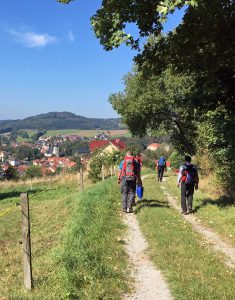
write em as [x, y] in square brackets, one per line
[84, 133]
[213, 212]
[77, 247]
[192, 270]
[50, 207]
[30, 133]
[88, 133]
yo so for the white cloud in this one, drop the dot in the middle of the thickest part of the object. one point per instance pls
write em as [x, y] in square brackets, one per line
[31, 39]
[71, 36]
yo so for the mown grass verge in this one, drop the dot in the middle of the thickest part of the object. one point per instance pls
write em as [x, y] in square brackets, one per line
[93, 256]
[191, 268]
[216, 213]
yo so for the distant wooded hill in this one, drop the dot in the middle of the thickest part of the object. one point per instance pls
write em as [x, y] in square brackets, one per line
[59, 120]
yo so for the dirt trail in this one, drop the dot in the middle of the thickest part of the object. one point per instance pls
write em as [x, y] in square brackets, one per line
[211, 237]
[149, 283]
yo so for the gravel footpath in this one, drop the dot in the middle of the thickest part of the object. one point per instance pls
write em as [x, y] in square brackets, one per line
[210, 237]
[149, 283]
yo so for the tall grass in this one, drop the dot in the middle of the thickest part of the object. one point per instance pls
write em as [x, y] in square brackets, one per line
[51, 205]
[77, 244]
[49, 211]
[93, 258]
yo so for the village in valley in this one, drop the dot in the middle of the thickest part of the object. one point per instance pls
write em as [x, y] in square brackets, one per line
[61, 152]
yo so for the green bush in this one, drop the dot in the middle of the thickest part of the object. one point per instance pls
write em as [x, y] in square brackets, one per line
[176, 159]
[33, 171]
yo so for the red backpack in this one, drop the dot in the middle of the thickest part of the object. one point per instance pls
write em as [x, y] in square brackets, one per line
[128, 168]
[189, 174]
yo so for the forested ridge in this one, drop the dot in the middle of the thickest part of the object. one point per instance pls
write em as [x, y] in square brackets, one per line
[59, 120]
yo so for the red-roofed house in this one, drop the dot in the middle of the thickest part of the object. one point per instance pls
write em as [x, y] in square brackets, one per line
[96, 145]
[52, 163]
[107, 146]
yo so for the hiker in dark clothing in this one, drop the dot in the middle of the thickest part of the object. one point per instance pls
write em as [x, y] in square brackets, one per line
[128, 175]
[161, 165]
[188, 179]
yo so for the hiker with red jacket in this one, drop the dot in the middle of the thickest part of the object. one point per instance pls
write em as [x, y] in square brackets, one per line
[128, 175]
[188, 179]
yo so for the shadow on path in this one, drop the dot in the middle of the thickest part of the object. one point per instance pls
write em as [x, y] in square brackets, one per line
[150, 203]
[222, 202]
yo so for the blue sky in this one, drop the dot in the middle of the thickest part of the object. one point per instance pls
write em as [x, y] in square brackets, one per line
[51, 61]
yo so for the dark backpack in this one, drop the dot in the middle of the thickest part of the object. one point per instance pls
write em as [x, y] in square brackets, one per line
[189, 174]
[128, 168]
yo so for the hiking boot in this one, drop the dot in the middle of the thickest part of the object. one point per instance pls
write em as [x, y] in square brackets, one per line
[129, 210]
[183, 212]
[190, 211]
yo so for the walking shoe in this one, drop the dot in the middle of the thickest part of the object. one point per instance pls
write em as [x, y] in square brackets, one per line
[190, 211]
[129, 210]
[183, 212]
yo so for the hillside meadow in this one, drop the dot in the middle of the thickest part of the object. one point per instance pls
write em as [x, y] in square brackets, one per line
[82, 133]
[72, 256]
[87, 133]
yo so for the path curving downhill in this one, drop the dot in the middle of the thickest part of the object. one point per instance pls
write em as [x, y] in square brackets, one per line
[149, 283]
[210, 237]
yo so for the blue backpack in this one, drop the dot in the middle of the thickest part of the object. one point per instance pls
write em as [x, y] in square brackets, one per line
[161, 161]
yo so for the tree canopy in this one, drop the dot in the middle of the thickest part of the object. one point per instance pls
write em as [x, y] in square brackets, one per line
[110, 20]
[183, 81]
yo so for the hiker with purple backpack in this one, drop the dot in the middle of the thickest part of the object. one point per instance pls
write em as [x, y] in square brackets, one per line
[128, 176]
[188, 180]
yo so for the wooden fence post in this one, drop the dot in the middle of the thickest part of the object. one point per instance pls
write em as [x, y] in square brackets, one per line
[111, 171]
[26, 243]
[78, 177]
[81, 179]
[102, 171]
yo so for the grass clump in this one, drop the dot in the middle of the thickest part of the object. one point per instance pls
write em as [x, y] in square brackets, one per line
[93, 257]
[191, 268]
